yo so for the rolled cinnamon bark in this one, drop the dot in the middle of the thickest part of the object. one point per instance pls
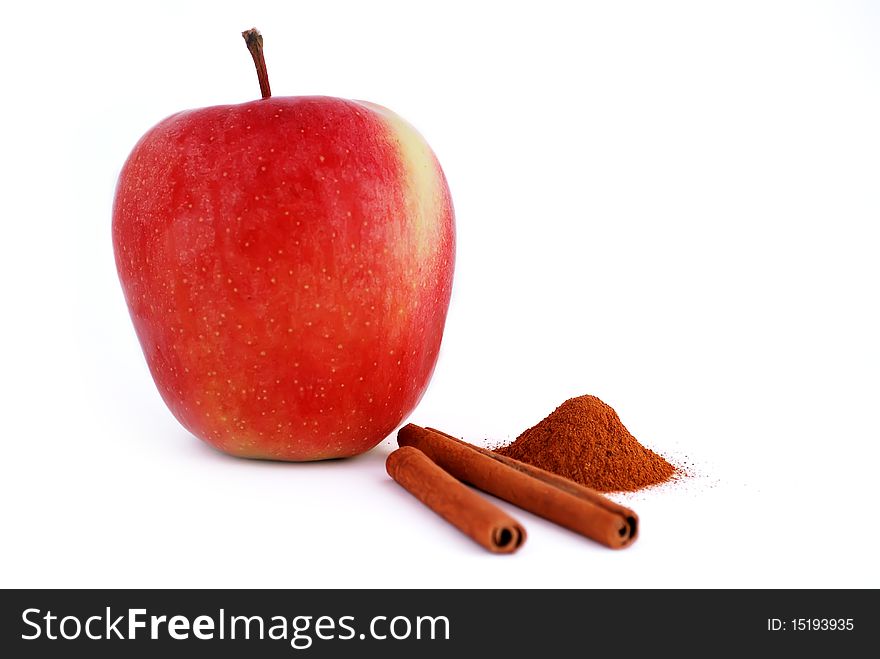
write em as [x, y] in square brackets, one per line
[552, 497]
[459, 505]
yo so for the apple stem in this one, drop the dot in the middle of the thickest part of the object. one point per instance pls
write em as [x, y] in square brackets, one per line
[254, 41]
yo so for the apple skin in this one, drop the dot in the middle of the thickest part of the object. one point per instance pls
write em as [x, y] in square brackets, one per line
[287, 265]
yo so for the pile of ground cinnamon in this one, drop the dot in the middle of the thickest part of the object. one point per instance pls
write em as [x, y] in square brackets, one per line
[584, 440]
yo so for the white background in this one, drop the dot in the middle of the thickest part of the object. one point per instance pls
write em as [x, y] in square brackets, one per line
[673, 206]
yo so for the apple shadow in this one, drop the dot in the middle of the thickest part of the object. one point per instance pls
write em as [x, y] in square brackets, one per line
[375, 457]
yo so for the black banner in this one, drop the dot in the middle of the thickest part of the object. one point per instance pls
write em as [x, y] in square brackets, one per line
[429, 623]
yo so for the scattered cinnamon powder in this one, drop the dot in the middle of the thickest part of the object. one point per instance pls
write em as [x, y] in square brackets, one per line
[584, 440]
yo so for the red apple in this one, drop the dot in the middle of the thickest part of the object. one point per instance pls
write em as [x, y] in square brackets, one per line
[287, 264]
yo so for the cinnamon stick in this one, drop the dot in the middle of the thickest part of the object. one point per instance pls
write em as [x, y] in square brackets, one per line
[547, 495]
[476, 517]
